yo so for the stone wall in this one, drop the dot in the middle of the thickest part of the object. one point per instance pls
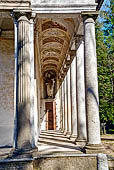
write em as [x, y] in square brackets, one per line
[66, 163]
[16, 165]
[6, 91]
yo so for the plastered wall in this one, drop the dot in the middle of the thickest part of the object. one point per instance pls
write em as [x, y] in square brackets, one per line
[6, 91]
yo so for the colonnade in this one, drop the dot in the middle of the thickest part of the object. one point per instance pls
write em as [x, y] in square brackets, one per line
[73, 109]
[79, 90]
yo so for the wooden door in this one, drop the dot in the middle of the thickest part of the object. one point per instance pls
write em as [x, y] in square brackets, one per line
[50, 116]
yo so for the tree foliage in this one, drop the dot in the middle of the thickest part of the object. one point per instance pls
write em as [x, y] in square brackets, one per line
[105, 57]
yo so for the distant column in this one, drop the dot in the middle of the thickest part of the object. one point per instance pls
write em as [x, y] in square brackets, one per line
[73, 98]
[69, 104]
[82, 134]
[63, 110]
[65, 107]
[92, 102]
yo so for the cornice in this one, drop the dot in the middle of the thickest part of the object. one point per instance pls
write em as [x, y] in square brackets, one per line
[11, 4]
[13, 1]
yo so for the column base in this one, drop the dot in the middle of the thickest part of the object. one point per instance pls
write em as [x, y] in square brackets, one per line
[94, 148]
[73, 138]
[81, 142]
[68, 135]
[65, 133]
[23, 152]
[62, 130]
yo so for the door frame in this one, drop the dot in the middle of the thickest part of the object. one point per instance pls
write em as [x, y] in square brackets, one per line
[54, 114]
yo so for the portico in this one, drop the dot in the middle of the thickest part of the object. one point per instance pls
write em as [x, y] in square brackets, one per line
[55, 85]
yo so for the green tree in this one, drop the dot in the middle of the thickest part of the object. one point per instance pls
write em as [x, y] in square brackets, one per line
[105, 57]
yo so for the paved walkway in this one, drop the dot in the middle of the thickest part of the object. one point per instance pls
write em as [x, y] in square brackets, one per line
[54, 142]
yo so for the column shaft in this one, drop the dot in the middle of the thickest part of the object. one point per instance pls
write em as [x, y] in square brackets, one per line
[33, 113]
[69, 102]
[15, 86]
[65, 106]
[92, 103]
[73, 98]
[81, 93]
[63, 110]
[23, 136]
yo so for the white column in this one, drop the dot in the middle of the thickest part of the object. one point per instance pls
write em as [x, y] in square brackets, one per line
[33, 113]
[65, 106]
[23, 118]
[81, 111]
[36, 114]
[58, 109]
[92, 102]
[15, 85]
[69, 103]
[73, 98]
[63, 110]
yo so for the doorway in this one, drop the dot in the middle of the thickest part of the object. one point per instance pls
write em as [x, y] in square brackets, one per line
[50, 115]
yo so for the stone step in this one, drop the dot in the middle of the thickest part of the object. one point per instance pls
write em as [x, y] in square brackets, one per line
[59, 138]
[52, 132]
[54, 142]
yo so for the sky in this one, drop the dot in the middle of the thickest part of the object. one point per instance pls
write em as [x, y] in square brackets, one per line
[105, 2]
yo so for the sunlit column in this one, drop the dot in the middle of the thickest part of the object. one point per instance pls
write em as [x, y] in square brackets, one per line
[65, 107]
[69, 103]
[73, 98]
[63, 110]
[23, 119]
[81, 110]
[92, 102]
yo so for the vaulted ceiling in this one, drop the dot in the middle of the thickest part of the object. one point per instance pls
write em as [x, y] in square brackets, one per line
[54, 36]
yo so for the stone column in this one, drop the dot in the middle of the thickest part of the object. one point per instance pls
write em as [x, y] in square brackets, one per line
[23, 119]
[15, 85]
[91, 83]
[73, 99]
[81, 111]
[63, 110]
[33, 113]
[69, 104]
[65, 107]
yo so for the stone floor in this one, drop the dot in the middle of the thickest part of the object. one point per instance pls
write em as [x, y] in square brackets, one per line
[108, 142]
[54, 142]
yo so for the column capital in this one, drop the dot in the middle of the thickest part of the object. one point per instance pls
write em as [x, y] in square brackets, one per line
[91, 14]
[17, 14]
[79, 38]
